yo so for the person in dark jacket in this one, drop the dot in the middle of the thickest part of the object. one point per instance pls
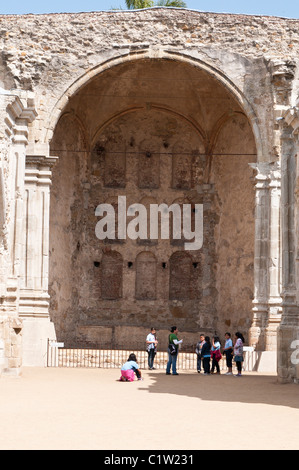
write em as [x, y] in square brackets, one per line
[206, 355]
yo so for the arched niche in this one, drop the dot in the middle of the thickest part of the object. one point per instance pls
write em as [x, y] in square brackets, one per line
[169, 117]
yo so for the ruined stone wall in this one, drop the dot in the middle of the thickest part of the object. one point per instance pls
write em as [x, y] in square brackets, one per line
[56, 58]
[48, 53]
[108, 291]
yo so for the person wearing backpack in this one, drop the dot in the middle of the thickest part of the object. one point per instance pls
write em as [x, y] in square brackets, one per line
[173, 349]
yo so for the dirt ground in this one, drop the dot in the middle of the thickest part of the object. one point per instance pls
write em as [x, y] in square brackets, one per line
[89, 409]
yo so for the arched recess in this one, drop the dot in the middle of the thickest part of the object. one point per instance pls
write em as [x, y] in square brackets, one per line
[217, 74]
[135, 143]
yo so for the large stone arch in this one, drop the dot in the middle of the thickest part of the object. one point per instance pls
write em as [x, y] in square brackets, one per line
[159, 54]
[67, 107]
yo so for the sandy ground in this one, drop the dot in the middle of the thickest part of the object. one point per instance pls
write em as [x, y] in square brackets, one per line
[88, 409]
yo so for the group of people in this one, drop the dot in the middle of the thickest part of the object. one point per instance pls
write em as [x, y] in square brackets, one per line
[206, 351]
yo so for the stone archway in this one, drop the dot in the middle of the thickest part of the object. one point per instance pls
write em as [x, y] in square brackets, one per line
[157, 53]
[201, 143]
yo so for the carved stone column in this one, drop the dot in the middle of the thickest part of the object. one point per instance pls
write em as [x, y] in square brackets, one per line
[288, 333]
[34, 297]
[3, 232]
[261, 253]
[274, 266]
[267, 263]
[19, 113]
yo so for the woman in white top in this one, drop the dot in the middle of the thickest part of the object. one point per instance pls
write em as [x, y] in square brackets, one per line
[151, 347]
[215, 353]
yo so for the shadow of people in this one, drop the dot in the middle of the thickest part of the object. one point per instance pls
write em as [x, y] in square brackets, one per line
[250, 388]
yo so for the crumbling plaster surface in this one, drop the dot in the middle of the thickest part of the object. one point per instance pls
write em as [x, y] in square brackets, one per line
[49, 53]
[169, 109]
[53, 57]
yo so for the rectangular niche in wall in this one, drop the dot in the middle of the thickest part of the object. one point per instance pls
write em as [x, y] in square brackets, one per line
[149, 165]
[182, 167]
[180, 282]
[115, 166]
[146, 276]
[111, 275]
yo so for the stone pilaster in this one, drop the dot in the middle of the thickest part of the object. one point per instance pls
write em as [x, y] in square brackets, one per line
[19, 113]
[289, 327]
[261, 250]
[274, 266]
[34, 297]
[267, 264]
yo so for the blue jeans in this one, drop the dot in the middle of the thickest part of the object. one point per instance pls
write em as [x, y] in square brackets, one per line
[151, 357]
[171, 362]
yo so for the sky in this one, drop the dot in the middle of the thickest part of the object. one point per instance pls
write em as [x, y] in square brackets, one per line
[284, 8]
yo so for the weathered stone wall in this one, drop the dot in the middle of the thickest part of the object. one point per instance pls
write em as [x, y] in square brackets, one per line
[48, 53]
[228, 78]
[5, 197]
[151, 154]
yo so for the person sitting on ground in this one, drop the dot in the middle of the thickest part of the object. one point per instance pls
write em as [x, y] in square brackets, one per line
[130, 369]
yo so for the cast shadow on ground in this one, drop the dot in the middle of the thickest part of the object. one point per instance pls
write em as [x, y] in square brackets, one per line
[262, 389]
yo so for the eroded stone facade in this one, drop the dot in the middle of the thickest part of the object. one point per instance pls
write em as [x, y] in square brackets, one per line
[160, 106]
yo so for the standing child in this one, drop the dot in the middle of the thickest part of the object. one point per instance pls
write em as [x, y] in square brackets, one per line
[238, 352]
[206, 355]
[130, 369]
[216, 354]
[229, 352]
[151, 347]
[198, 351]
